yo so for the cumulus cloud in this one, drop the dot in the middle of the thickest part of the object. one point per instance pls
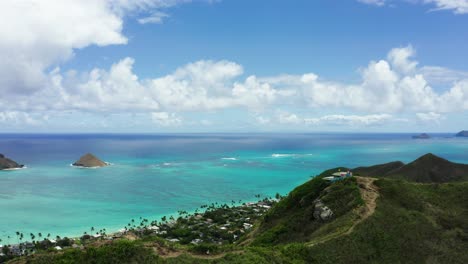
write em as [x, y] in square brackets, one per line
[155, 18]
[401, 59]
[457, 6]
[389, 86]
[442, 76]
[373, 2]
[334, 120]
[198, 86]
[396, 85]
[36, 35]
[289, 118]
[15, 118]
[430, 117]
[166, 119]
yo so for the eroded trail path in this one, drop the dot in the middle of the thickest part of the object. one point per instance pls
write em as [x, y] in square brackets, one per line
[369, 193]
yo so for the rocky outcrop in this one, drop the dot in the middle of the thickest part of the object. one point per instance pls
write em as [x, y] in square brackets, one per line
[321, 211]
[89, 161]
[463, 133]
[6, 163]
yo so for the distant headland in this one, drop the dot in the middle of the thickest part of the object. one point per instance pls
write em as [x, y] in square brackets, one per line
[422, 136]
[89, 161]
[463, 133]
[8, 164]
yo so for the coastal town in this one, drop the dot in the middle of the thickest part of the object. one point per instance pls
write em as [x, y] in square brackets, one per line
[210, 225]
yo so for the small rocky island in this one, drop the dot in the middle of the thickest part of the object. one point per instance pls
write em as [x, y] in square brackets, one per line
[89, 161]
[463, 133]
[8, 164]
[422, 136]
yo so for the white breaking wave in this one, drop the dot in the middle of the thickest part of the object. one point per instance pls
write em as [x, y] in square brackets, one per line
[95, 167]
[13, 169]
[166, 164]
[284, 155]
[229, 158]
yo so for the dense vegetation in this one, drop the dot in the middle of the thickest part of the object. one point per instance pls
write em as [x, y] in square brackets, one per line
[292, 219]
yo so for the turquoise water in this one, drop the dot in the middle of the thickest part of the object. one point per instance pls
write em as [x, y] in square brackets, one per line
[156, 175]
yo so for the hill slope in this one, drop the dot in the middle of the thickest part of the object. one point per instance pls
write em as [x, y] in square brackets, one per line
[428, 168]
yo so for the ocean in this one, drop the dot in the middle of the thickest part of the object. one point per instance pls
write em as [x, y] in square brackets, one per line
[156, 175]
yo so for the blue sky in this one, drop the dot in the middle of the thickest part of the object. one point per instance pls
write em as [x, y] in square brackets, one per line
[233, 66]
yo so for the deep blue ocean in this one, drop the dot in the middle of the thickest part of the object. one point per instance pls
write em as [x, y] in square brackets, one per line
[156, 175]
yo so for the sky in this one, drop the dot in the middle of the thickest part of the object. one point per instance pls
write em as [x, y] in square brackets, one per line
[160, 66]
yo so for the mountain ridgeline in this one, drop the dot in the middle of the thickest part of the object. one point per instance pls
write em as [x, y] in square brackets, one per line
[426, 169]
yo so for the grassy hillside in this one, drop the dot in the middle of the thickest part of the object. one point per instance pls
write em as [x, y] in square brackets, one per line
[413, 223]
[292, 220]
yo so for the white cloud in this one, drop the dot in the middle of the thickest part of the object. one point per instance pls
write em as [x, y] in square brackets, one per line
[155, 18]
[394, 86]
[334, 120]
[401, 59]
[36, 34]
[354, 120]
[196, 86]
[262, 120]
[373, 2]
[390, 86]
[457, 6]
[15, 118]
[289, 118]
[430, 117]
[166, 119]
[441, 75]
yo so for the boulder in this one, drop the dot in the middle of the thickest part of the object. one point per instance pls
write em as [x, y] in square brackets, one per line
[6, 163]
[89, 161]
[321, 211]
